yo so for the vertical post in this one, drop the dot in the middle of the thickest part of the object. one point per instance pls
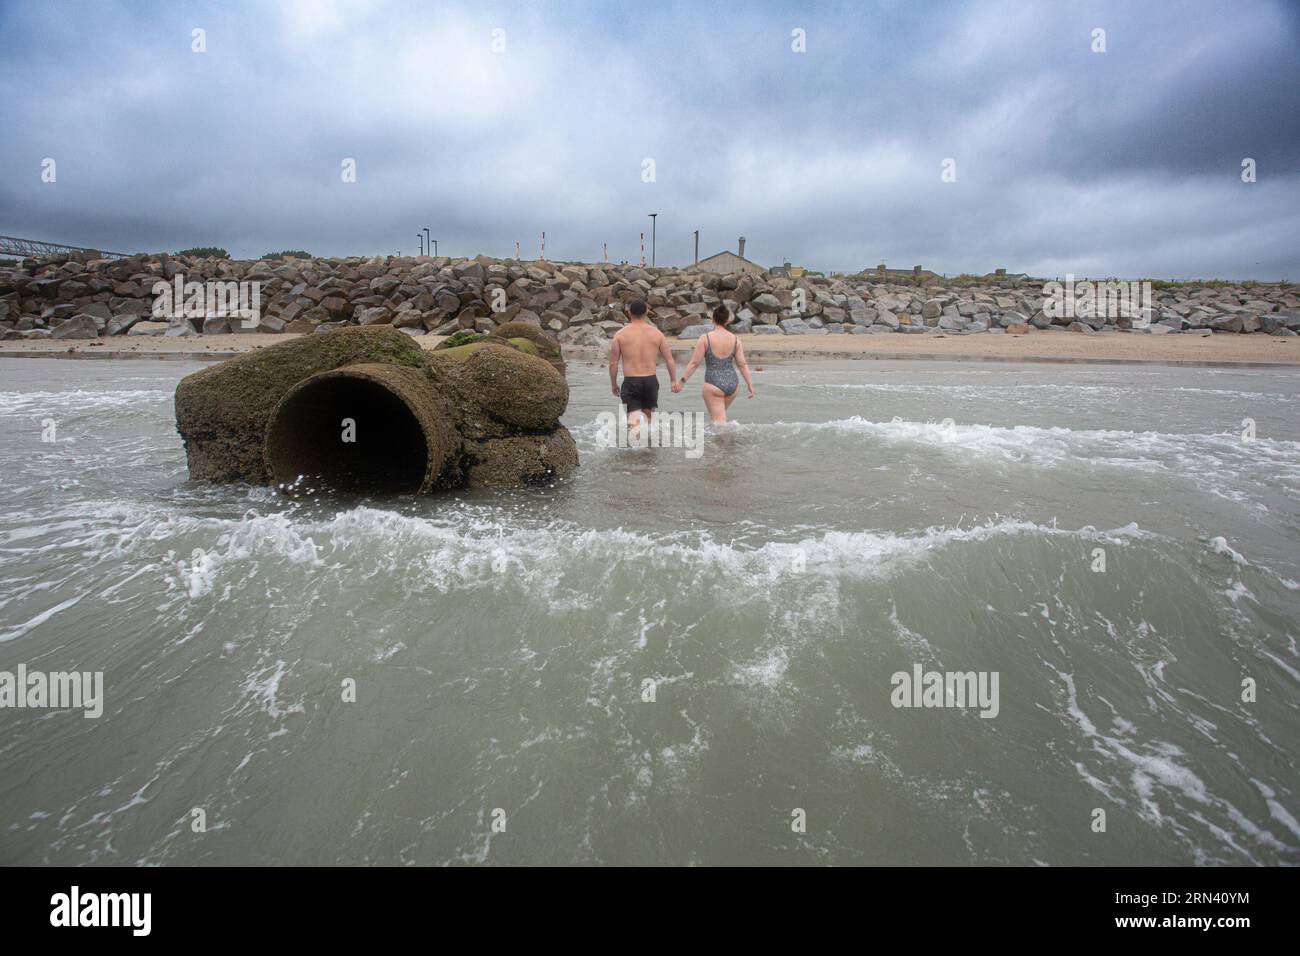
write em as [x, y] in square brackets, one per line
[420, 236]
[543, 247]
[605, 248]
[427, 242]
[516, 248]
[643, 249]
[652, 237]
[697, 247]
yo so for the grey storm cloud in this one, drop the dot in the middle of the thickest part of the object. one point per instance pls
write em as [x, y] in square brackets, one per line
[1126, 162]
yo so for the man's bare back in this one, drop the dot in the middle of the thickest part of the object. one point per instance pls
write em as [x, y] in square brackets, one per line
[639, 346]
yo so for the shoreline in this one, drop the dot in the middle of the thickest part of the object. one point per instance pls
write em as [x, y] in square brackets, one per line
[1116, 348]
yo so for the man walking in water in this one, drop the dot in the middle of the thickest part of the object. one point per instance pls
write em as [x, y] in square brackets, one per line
[639, 345]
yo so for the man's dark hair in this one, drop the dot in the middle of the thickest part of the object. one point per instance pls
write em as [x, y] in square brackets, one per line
[637, 308]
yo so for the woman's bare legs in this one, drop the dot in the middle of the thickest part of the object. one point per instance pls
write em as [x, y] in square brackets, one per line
[716, 403]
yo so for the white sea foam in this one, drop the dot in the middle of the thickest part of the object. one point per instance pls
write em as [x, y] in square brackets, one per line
[75, 400]
[1161, 767]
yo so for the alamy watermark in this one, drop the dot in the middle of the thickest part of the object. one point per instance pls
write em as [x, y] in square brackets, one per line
[179, 299]
[56, 689]
[664, 430]
[957, 689]
[75, 908]
[1103, 300]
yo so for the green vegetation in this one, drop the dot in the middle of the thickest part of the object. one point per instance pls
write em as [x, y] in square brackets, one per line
[205, 252]
[463, 337]
[288, 254]
[1209, 283]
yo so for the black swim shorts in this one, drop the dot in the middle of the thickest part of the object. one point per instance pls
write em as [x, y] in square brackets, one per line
[640, 392]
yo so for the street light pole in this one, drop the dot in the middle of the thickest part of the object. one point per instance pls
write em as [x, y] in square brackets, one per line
[652, 238]
[697, 247]
[435, 247]
[427, 246]
[421, 238]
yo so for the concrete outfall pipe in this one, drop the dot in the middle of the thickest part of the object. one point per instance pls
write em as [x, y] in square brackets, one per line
[367, 410]
[364, 428]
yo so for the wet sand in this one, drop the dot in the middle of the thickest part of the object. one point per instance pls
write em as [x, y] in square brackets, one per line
[1117, 347]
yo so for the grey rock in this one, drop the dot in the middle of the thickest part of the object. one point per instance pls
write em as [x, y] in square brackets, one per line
[148, 327]
[1228, 323]
[77, 327]
[375, 316]
[582, 336]
[121, 324]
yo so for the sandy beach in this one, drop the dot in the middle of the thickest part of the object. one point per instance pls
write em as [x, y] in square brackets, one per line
[1116, 347]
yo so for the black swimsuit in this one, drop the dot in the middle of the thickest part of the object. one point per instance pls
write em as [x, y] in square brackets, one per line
[639, 392]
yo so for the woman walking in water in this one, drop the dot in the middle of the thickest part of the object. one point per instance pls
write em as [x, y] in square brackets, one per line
[723, 355]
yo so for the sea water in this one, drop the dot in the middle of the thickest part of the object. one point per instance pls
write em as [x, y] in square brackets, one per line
[673, 658]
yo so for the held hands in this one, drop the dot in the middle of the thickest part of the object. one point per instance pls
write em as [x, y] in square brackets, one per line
[678, 384]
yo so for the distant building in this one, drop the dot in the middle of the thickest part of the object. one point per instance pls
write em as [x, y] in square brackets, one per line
[1003, 274]
[725, 263]
[915, 272]
[787, 271]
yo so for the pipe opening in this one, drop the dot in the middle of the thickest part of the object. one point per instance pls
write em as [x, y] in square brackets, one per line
[347, 434]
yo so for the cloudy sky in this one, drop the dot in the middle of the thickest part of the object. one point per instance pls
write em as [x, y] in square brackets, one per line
[1125, 162]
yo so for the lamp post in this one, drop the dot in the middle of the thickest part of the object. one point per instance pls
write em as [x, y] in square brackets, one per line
[652, 238]
[427, 244]
[421, 238]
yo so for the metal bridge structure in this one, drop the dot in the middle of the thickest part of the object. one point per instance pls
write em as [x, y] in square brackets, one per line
[12, 245]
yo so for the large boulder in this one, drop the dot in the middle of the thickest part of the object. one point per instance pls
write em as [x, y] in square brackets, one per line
[77, 327]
